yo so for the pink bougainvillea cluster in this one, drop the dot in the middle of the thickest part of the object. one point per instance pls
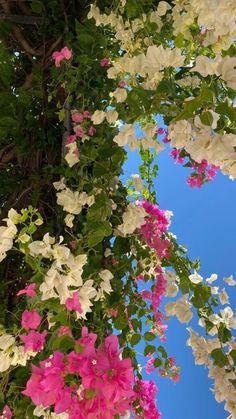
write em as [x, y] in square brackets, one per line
[202, 172]
[84, 382]
[152, 231]
[82, 124]
[64, 54]
[146, 391]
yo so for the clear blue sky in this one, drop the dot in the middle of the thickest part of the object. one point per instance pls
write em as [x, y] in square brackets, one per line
[204, 221]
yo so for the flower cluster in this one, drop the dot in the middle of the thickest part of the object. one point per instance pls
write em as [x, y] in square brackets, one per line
[202, 172]
[156, 224]
[106, 380]
[64, 54]
[146, 391]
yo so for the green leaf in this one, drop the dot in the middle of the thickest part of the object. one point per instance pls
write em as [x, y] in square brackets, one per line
[206, 118]
[157, 362]
[101, 209]
[63, 343]
[149, 336]
[219, 357]
[226, 110]
[202, 293]
[162, 351]
[233, 355]
[135, 339]
[224, 334]
[149, 349]
[97, 231]
[120, 322]
[36, 6]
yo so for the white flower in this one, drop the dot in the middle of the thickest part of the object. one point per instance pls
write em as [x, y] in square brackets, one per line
[6, 341]
[69, 220]
[159, 58]
[170, 308]
[230, 281]
[133, 218]
[120, 94]
[195, 278]
[13, 216]
[183, 309]
[60, 185]
[98, 117]
[20, 357]
[171, 289]
[227, 69]
[111, 116]
[73, 202]
[137, 182]
[171, 286]
[205, 66]
[42, 247]
[105, 285]
[212, 278]
[180, 133]
[7, 235]
[224, 298]
[162, 8]
[5, 361]
[126, 136]
[86, 293]
[72, 155]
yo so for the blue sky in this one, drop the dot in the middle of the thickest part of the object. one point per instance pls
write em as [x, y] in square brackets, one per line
[204, 221]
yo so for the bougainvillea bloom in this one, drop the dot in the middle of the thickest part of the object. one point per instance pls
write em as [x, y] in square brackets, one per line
[28, 290]
[64, 54]
[34, 341]
[92, 131]
[146, 392]
[156, 224]
[30, 319]
[77, 117]
[6, 413]
[72, 303]
[104, 62]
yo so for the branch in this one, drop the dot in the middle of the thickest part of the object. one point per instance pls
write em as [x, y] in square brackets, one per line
[22, 20]
[67, 124]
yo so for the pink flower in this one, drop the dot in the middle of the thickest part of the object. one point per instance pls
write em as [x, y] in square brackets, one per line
[87, 114]
[67, 53]
[176, 156]
[70, 139]
[28, 290]
[73, 244]
[212, 171]
[112, 312]
[30, 319]
[195, 181]
[77, 117]
[64, 331]
[79, 132]
[64, 54]
[72, 303]
[146, 393]
[6, 413]
[92, 130]
[46, 383]
[34, 341]
[122, 83]
[104, 62]
[150, 365]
